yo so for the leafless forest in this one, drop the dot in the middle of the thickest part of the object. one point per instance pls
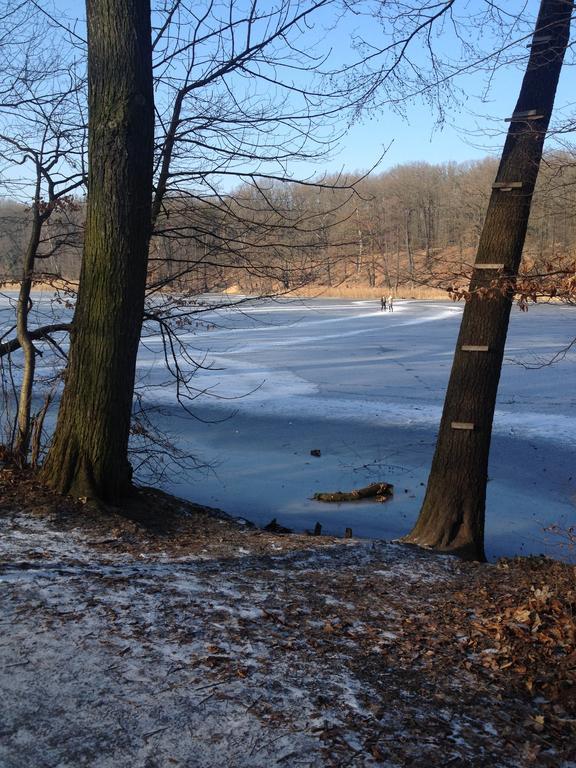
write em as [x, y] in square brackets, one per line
[417, 225]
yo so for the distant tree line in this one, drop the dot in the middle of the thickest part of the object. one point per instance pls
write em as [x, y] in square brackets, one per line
[416, 223]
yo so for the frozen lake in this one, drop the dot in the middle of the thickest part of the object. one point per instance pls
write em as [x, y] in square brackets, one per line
[366, 389]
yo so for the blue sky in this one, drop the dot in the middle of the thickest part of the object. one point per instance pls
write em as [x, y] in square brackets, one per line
[472, 128]
[471, 132]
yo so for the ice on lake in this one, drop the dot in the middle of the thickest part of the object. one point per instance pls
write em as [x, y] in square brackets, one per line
[366, 388]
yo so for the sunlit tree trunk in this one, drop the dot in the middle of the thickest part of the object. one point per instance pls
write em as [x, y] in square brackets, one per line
[88, 456]
[22, 438]
[452, 516]
[408, 215]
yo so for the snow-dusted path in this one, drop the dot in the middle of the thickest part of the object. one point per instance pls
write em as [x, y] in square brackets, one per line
[331, 656]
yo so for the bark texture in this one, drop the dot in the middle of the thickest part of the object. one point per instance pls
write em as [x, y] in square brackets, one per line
[452, 516]
[88, 456]
[24, 337]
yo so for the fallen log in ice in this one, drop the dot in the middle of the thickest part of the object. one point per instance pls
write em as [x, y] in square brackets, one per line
[377, 491]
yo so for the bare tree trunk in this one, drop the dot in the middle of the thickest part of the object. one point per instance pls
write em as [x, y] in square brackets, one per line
[429, 233]
[397, 259]
[385, 267]
[452, 516]
[408, 244]
[88, 456]
[360, 244]
[37, 425]
[22, 441]
[427, 236]
[372, 271]
[23, 335]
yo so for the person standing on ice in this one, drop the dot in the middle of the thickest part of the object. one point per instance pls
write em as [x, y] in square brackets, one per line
[390, 304]
[383, 304]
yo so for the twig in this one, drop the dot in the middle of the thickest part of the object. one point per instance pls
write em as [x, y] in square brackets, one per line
[210, 685]
[154, 733]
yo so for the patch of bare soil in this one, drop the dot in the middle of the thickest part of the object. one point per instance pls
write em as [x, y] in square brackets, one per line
[172, 635]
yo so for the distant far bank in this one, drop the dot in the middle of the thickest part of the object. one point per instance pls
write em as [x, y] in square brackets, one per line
[352, 291]
[355, 291]
[343, 291]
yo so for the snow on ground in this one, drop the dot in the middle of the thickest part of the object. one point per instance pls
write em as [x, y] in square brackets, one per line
[122, 651]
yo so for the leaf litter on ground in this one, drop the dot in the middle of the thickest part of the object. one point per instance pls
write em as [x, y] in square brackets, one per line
[171, 634]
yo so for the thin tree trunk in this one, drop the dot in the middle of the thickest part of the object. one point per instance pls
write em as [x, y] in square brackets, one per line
[409, 245]
[22, 441]
[541, 232]
[452, 516]
[24, 337]
[397, 259]
[385, 267]
[427, 235]
[37, 425]
[88, 456]
[360, 245]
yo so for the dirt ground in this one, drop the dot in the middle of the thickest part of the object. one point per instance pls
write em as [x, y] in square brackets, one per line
[170, 634]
